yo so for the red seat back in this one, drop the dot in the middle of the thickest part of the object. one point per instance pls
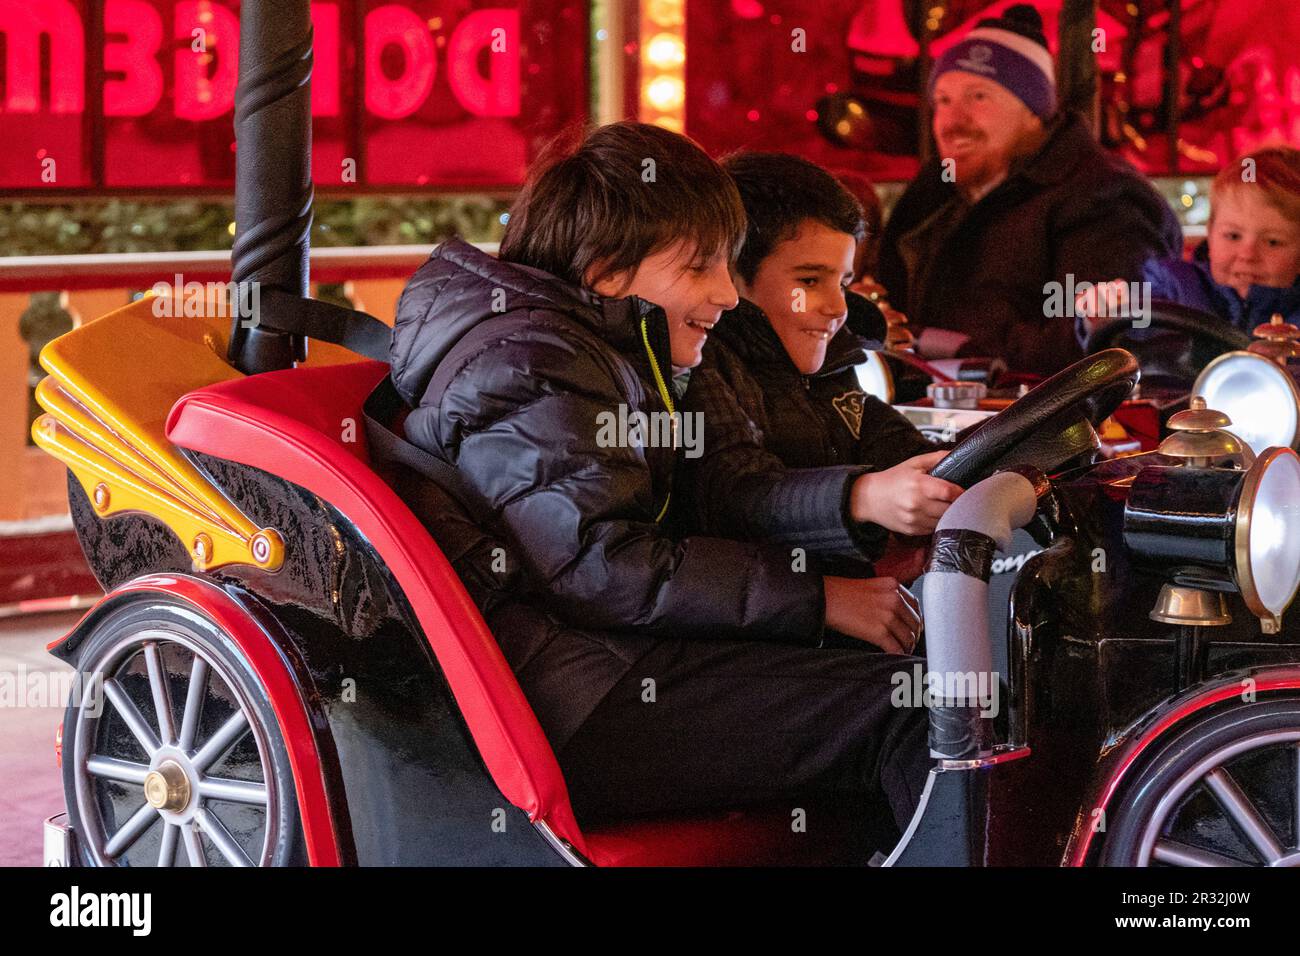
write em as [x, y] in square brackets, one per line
[293, 424]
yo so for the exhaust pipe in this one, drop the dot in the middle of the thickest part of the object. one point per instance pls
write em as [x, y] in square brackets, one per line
[959, 655]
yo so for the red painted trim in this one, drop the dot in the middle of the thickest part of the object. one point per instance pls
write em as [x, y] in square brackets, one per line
[1271, 679]
[274, 674]
[289, 423]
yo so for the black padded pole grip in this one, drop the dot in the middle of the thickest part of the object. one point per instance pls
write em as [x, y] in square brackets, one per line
[273, 187]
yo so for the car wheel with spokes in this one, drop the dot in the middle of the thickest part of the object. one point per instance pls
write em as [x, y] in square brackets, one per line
[172, 755]
[1224, 791]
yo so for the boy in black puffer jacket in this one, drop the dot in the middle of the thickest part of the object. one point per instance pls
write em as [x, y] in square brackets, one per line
[669, 673]
[778, 389]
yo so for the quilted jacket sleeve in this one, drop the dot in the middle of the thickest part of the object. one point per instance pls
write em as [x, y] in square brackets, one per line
[740, 489]
[523, 413]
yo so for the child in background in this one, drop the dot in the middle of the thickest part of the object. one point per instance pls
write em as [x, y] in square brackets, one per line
[1248, 268]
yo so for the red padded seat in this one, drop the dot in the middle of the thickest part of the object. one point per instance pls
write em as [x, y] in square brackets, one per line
[290, 423]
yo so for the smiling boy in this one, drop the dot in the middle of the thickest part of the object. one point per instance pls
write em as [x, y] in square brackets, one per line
[669, 672]
[778, 392]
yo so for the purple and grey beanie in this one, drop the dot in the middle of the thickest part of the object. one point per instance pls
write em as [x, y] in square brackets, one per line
[1010, 50]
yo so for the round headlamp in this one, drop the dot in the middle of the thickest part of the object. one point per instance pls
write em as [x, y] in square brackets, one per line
[875, 378]
[1224, 527]
[1259, 395]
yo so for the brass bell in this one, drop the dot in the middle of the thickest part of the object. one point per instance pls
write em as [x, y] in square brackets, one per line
[1178, 604]
[1277, 340]
[1198, 437]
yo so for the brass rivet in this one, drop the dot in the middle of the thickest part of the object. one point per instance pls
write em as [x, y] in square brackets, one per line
[101, 497]
[267, 548]
[202, 547]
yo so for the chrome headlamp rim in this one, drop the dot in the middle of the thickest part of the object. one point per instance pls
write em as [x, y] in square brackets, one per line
[1247, 583]
[1273, 368]
[875, 365]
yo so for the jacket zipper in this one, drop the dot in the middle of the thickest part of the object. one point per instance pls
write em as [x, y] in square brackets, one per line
[666, 395]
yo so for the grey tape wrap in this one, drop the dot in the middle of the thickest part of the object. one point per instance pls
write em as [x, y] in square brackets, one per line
[962, 552]
[957, 641]
[959, 732]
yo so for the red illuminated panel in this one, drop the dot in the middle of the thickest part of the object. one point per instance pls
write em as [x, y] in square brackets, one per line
[752, 82]
[447, 93]
[43, 100]
[749, 86]
[466, 93]
[178, 132]
[1243, 76]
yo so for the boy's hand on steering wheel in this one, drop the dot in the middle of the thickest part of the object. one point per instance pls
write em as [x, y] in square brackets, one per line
[879, 611]
[904, 499]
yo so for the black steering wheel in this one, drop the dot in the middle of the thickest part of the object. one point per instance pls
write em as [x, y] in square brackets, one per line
[1203, 327]
[1049, 426]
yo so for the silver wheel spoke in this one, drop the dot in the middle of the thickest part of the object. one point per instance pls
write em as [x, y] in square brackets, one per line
[236, 791]
[1179, 854]
[221, 741]
[167, 852]
[131, 831]
[193, 703]
[162, 698]
[1243, 814]
[193, 846]
[132, 717]
[221, 838]
[123, 771]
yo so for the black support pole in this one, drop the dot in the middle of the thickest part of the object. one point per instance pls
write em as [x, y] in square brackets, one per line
[273, 187]
[1076, 63]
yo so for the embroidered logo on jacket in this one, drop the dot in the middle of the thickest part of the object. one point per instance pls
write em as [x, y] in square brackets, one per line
[849, 405]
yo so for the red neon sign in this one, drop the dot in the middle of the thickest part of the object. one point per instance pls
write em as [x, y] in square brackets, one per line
[442, 95]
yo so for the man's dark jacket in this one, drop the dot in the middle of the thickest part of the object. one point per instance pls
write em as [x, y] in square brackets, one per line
[1070, 208]
[512, 372]
[763, 419]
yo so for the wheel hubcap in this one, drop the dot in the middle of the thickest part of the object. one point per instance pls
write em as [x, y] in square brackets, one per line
[167, 788]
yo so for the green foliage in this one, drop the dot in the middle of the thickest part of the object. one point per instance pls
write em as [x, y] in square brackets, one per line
[127, 225]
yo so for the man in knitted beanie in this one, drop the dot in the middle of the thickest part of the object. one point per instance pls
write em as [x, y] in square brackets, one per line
[1018, 197]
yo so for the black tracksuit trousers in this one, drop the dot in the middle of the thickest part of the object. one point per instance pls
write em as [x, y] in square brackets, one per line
[712, 725]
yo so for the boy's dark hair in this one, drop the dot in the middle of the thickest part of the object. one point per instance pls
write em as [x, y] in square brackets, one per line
[626, 191]
[781, 191]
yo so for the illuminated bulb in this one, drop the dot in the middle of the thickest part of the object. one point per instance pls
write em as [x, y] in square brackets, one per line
[667, 93]
[231, 229]
[666, 51]
[666, 13]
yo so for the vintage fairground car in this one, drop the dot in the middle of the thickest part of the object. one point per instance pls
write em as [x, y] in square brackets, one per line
[285, 669]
